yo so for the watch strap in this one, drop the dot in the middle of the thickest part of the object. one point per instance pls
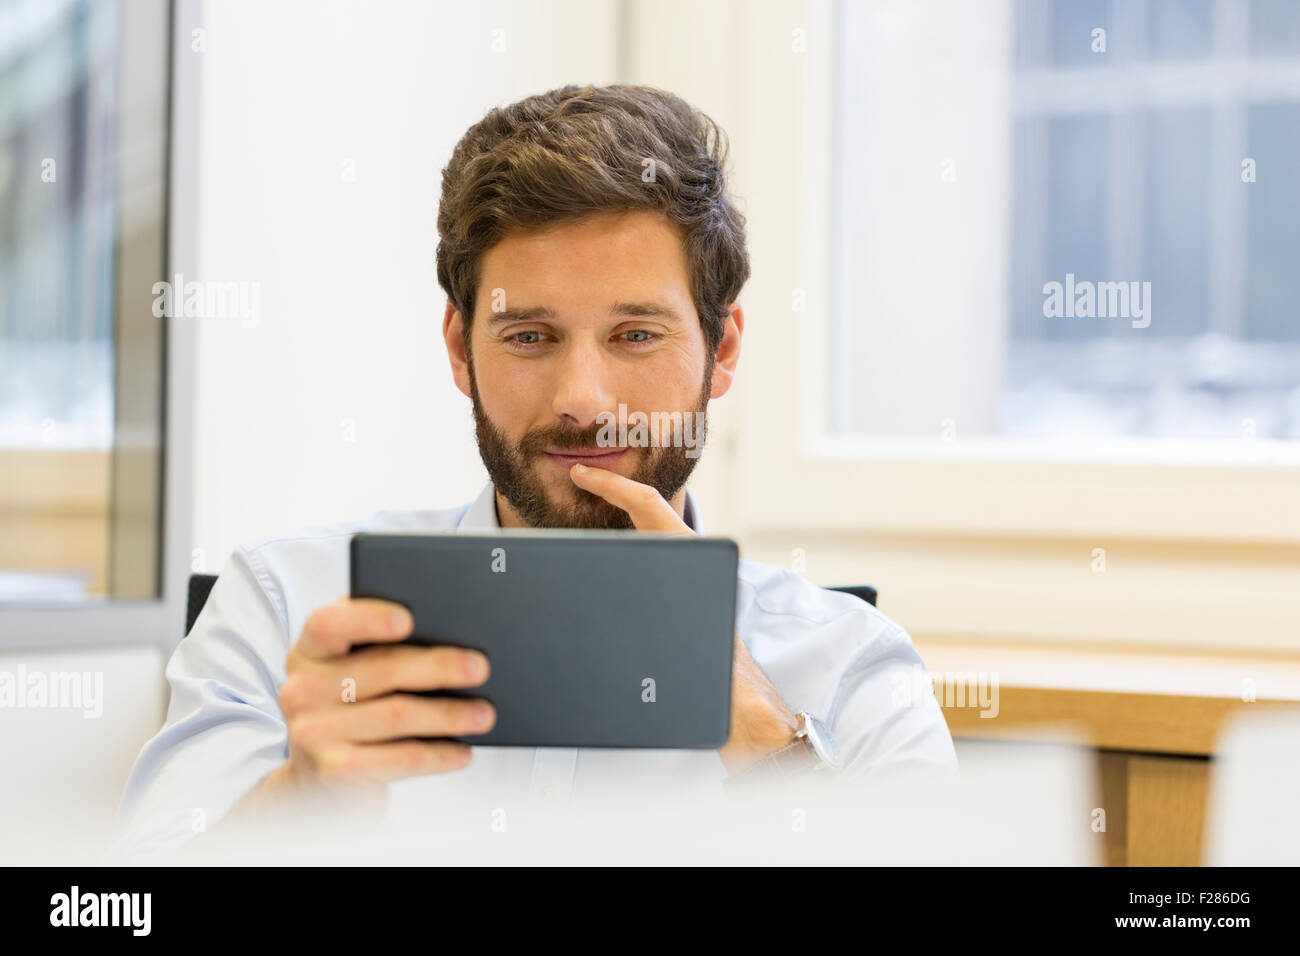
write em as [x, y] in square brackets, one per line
[792, 760]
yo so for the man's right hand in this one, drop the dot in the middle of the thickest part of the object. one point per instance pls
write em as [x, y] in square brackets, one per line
[349, 708]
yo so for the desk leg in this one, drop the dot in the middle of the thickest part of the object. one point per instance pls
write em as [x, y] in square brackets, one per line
[1113, 769]
[1167, 799]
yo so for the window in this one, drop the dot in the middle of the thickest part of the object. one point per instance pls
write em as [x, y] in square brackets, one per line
[83, 173]
[1103, 208]
[1160, 149]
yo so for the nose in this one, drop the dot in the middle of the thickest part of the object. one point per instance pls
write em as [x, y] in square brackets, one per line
[582, 390]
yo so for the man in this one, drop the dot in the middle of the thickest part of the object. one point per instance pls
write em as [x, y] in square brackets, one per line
[592, 259]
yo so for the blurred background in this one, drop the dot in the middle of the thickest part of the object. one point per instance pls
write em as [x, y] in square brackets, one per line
[1096, 515]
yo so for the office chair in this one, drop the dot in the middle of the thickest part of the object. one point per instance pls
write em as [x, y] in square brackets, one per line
[863, 591]
[201, 586]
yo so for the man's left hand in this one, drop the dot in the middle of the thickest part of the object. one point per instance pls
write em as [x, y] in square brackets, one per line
[760, 720]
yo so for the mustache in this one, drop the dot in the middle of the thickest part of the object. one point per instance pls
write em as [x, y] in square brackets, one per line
[536, 442]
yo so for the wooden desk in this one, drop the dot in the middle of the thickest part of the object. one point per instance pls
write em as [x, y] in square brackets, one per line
[1153, 717]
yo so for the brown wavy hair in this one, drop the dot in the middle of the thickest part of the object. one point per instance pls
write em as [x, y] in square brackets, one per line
[577, 151]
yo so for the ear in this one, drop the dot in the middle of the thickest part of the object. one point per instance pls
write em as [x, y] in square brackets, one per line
[453, 333]
[728, 357]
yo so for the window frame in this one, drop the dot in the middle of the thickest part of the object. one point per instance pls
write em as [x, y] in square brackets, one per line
[157, 620]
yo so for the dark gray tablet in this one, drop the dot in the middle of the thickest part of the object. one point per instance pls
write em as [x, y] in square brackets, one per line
[596, 639]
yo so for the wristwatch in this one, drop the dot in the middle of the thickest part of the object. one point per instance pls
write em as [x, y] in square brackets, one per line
[812, 751]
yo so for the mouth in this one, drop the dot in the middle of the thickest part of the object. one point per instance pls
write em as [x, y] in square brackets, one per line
[566, 458]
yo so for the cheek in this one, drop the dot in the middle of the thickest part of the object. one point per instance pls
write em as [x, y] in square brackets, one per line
[509, 396]
[674, 383]
[668, 386]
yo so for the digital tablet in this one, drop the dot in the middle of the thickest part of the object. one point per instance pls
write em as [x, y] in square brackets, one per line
[595, 638]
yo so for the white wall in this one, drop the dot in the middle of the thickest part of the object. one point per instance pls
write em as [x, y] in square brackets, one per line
[349, 333]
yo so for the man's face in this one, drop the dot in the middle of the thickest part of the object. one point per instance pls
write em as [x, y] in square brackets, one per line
[572, 322]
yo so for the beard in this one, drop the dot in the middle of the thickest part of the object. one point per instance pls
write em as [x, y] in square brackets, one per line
[515, 468]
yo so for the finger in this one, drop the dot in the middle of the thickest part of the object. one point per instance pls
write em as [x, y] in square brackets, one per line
[643, 503]
[392, 718]
[333, 629]
[377, 671]
[384, 763]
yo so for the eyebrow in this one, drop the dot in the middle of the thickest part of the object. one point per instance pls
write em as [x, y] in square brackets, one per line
[629, 309]
[519, 315]
[645, 310]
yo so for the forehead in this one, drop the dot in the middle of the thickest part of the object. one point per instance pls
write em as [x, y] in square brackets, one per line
[604, 258]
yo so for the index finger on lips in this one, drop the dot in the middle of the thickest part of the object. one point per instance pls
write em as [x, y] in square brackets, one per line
[333, 629]
[643, 503]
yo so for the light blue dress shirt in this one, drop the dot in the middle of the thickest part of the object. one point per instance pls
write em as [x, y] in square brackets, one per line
[825, 652]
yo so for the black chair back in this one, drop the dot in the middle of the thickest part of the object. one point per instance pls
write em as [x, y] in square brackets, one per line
[863, 591]
[200, 588]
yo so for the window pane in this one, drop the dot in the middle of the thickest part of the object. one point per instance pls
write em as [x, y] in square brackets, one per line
[1180, 28]
[1073, 22]
[1175, 212]
[1075, 212]
[1272, 232]
[1150, 286]
[1275, 27]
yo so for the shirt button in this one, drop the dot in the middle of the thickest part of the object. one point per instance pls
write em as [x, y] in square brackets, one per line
[548, 794]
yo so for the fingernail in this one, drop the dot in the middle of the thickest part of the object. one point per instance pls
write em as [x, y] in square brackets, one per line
[580, 469]
[401, 621]
[483, 716]
[476, 666]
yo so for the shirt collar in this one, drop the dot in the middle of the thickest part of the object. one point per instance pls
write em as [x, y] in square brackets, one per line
[481, 515]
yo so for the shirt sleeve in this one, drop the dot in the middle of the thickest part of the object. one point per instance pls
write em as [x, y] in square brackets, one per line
[224, 731]
[884, 716]
[849, 665]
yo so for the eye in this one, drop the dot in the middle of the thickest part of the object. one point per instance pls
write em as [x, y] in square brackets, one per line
[528, 338]
[639, 336]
